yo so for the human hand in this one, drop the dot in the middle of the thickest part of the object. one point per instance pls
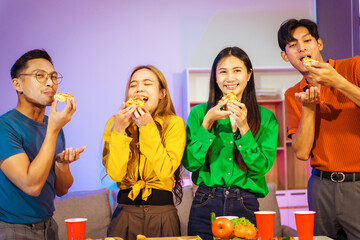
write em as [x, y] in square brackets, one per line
[142, 117]
[68, 155]
[123, 118]
[56, 119]
[239, 113]
[323, 74]
[215, 113]
[310, 96]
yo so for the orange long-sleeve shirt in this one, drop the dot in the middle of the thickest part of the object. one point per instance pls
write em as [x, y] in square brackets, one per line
[337, 125]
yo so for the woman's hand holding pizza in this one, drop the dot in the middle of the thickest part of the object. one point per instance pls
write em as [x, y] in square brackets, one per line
[215, 114]
[142, 117]
[123, 118]
[239, 112]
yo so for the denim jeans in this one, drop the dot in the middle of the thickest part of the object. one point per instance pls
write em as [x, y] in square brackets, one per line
[223, 202]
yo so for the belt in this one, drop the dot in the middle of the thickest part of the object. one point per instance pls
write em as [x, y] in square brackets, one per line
[337, 176]
[39, 225]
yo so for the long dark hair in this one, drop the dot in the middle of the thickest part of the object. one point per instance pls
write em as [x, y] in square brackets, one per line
[248, 97]
[164, 109]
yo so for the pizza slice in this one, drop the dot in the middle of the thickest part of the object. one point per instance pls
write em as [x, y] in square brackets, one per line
[229, 98]
[308, 61]
[139, 101]
[63, 97]
[140, 237]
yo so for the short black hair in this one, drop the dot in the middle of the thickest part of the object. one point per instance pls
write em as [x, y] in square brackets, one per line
[284, 33]
[20, 64]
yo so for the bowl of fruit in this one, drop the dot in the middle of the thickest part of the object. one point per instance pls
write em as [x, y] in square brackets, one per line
[233, 227]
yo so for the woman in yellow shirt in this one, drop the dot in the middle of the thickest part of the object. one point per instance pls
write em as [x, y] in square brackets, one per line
[142, 153]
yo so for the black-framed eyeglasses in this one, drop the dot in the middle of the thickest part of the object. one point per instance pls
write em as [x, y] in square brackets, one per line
[42, 76]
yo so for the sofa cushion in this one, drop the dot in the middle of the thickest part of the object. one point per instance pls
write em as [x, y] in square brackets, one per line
[93, 205]
[114, 194]
[184, 207]
[269, 203]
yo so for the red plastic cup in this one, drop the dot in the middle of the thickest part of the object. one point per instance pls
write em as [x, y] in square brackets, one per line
[265, 224]
[305, 224]
[76, 228]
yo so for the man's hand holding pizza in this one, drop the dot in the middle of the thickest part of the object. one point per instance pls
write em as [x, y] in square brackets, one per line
[324, 74]
[58, 120]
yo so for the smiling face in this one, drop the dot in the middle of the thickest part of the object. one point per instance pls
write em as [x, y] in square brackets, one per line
[304, 45]
[30, 89]
[145, 83]
[232, 75]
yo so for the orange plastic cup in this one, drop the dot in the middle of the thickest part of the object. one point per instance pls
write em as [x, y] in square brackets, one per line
[265, 224]
[76, 228]
[305, 224]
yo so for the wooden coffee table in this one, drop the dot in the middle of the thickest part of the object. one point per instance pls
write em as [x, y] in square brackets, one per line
[173, 238]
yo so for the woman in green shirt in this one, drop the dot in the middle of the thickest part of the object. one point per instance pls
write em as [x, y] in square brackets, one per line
[229, 151]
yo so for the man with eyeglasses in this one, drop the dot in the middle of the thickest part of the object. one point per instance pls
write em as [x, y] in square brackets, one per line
[34, 163]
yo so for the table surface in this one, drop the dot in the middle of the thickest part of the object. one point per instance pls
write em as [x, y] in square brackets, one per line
[172, 238]
[181, 238]
[319, 238]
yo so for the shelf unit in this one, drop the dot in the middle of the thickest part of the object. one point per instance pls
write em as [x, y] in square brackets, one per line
[289, 174]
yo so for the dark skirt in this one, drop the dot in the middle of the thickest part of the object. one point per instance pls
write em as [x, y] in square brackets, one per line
[152, 221]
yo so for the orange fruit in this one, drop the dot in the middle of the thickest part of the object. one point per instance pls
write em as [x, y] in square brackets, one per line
[251, 231]
[245, 231]
[222, 228]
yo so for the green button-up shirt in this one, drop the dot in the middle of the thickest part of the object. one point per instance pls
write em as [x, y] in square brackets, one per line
[258, 152]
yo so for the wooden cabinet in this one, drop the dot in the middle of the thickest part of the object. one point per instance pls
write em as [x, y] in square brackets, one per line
[288, 173]
[290, 201]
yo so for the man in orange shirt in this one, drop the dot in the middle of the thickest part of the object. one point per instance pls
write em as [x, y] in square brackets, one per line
[323, 116]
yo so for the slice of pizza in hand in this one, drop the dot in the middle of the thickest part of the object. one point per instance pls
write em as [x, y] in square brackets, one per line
[139, 101]
[63, 97]
[229, 98]
[140, 237]
[308, 61]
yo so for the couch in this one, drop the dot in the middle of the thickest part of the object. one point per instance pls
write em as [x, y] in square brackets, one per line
[95, 206]
[270, 203]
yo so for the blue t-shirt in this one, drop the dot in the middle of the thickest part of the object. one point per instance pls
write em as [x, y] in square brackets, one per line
[19, 134]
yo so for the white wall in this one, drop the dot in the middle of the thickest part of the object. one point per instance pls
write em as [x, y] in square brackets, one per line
[95, 45]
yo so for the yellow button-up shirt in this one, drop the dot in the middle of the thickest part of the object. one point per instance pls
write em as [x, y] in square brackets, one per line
[159, 158]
